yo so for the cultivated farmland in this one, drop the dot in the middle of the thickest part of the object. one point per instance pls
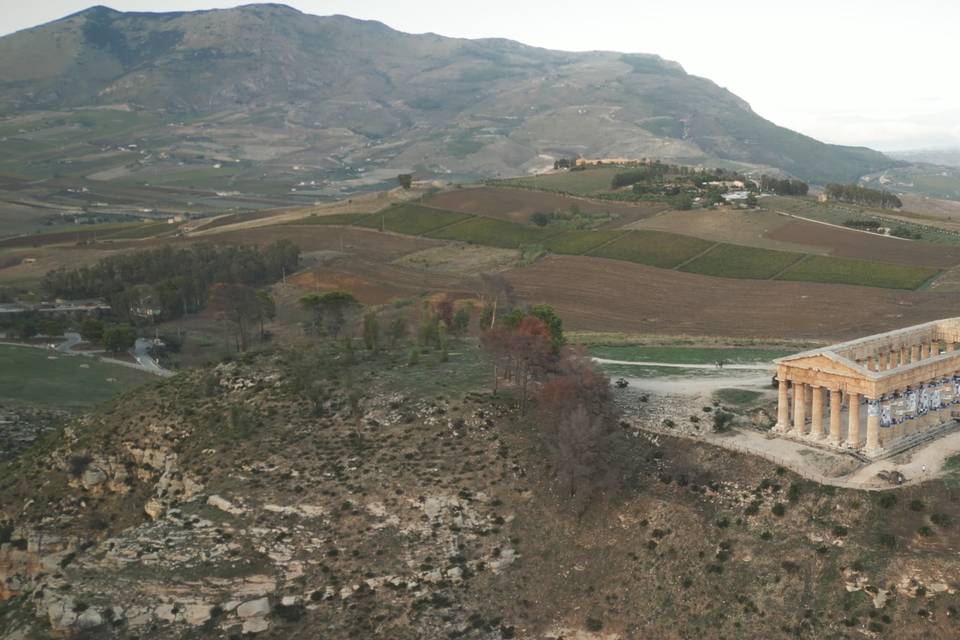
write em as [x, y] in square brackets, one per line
[580, 242]
[412, 219]
[492, 232]
[848, 243]
[598, 295]
[517, 205]
[860, 272]
[732, 261]
[654, 248]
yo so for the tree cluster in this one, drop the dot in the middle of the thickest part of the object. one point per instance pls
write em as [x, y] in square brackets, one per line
[574, 415]
[167, 283]
[783, 186]
[578, 423]
[863, 196]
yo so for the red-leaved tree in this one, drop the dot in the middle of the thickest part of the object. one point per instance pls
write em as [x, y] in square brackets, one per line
[519, 353]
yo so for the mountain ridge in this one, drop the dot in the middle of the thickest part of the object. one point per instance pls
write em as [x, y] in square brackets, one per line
[444, 106]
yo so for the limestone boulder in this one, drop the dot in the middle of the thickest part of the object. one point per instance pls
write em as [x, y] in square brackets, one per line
[254, 608]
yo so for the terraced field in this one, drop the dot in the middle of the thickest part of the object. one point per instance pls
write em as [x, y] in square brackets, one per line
[733, 261]
[654, 248]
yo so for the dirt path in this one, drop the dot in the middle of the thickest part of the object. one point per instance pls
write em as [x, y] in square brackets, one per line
[918, 465]
[756, 366]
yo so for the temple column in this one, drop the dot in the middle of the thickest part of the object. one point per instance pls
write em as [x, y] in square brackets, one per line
[951, 346]
[894, 360]
[836, 405]
[871, 363]
[799, 407]
[816, 414]
[783, 406]
[853, 420]
[904, 356]
[873, 424]
[914, 353]
[943, 413]
[925, 350]
[881, 361]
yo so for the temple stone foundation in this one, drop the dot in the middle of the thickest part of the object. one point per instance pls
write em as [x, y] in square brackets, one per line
[873, 395]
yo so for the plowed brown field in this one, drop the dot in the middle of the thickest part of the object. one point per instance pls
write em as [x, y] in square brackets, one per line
[375, 283]
[606, 295]
[517, 205]
[847, 243]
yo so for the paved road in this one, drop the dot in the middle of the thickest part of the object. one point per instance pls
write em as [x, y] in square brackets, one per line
[757, 366]
[70, 340]
[141, 351]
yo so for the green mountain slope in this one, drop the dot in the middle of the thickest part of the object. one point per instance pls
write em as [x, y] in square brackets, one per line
[341, 94]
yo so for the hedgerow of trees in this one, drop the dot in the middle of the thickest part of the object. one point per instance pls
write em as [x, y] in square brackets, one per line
[167, 283]
[783, 187]
[863, 196]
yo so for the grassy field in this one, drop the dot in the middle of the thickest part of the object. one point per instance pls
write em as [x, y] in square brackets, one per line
[738, 397]
[70, 234]
[654, 248]
[951, 468]
[29, 376]
[492, 232]
[858, 272]
[412, 219]
[686, 355]
[582, 183]
[733, 261]
[579, 242]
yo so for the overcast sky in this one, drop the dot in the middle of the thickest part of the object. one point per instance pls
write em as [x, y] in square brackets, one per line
[879, 73]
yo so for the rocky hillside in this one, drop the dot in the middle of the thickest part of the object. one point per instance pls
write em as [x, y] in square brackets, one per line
[339, 93]
[297, 492]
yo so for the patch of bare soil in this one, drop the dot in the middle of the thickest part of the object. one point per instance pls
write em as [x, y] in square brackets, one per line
[461, 259]
[374, 283]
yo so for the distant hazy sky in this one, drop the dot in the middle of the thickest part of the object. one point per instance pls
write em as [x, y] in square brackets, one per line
[875, 72]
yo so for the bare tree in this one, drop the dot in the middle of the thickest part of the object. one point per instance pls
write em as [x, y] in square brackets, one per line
[237, 304]
[494, 288]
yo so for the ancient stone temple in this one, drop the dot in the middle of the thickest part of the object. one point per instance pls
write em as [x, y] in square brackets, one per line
[876, 395]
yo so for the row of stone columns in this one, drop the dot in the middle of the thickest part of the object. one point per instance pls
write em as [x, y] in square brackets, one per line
[798, 424]
[894, 358]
